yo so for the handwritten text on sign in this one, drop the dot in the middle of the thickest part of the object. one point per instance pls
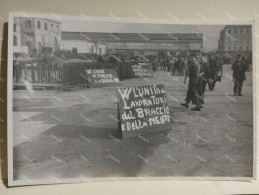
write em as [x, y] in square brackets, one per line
[102, 77]
[141, 70]
[143, 109]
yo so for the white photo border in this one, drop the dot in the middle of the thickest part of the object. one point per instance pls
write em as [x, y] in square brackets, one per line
[12, 182]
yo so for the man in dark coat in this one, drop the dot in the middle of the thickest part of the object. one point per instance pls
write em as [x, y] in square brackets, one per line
[194, 84]
[239, 68]
[168, 64]
[220, 65]
[164, 64]
[177, 65]
[182, 66]
[205, 75]
[213, 72]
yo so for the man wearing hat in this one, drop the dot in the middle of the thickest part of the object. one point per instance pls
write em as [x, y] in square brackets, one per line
[239, 68]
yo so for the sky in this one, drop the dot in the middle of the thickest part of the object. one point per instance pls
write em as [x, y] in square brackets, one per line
[210, 32]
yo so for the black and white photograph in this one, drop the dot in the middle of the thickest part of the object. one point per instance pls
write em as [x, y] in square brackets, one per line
[119, 99]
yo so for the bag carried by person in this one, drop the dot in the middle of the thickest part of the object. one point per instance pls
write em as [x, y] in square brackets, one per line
[218, 78]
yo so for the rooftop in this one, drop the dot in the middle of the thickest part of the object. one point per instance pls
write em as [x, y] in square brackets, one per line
[237, 26]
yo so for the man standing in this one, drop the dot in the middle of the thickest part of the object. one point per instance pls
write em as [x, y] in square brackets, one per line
[205, 75]
[172, 68]
[220, 65]
[177, 66]
[167, 64]
[239, 68]
[213, 71]
[193, 86]
[182, 66]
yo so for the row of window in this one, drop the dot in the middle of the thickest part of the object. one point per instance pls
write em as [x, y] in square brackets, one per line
[15, 41]
[45, 25]
[240, 48]
[236, 31]
[28, 24]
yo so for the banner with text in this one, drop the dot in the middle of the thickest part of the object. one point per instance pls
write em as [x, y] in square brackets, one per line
[142, 110]
[101, 77]
[140, 70]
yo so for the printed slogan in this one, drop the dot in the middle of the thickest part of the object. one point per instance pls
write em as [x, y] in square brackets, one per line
[143, 110]
[101, 77]
[140, 70]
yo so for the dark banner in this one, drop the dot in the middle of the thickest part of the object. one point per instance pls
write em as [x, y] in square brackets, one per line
[141, 70]
[143, 109]
[101, 77]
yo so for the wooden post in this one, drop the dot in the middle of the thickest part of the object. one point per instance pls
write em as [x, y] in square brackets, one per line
[33, 72]
[41, 72]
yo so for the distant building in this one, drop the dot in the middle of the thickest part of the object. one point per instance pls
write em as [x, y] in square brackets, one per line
[82, 43]
[131, 43]
[31, 35]
[236, 39]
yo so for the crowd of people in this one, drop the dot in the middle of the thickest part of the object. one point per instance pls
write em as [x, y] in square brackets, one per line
[202, 70]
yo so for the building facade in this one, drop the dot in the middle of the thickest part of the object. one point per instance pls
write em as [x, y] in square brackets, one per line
[131, 43]
[32, 35]
[236, 39]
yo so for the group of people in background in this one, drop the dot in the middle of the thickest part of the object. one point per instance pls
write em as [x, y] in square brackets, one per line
[204, 70]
